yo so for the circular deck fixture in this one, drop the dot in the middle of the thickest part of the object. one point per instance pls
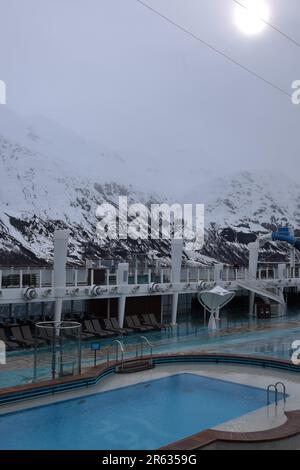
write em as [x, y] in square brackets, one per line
[95, 290]
[202, 285]
[30, 293]
[154, 287]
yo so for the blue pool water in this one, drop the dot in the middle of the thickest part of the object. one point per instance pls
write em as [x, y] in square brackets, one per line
[143, 416]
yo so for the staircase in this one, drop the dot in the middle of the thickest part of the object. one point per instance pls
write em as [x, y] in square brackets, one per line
[261, 291]
[136, 365]
[264, 291]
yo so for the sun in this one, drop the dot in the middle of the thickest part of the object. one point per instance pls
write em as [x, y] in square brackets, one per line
[249, 18]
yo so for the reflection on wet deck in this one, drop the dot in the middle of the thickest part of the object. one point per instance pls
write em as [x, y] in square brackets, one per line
[239, 335]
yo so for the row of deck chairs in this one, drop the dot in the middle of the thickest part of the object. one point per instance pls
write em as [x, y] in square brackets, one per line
[20, 336]
[134, 323]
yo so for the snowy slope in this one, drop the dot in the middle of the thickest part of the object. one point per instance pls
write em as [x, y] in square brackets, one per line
[40, 191]
[38, 194]
[252, 199]
[240, 206]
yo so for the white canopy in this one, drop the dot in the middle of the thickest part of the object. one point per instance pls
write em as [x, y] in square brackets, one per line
[213, 300]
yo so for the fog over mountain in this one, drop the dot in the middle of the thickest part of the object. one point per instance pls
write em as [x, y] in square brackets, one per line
[169, 109]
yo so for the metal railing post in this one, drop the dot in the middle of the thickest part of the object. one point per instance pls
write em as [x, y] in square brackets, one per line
[116, 344]
[144, 341]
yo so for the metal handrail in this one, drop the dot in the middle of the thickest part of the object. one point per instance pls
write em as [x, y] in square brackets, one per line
[275, 387]
[141, 344]
[267, 283]
[117, 344]
[283, 388]
[264, 284]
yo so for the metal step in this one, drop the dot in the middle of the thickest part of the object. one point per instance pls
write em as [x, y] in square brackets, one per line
[134, 366]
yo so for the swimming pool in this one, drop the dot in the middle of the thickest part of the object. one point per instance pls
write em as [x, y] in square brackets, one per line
[147, 415]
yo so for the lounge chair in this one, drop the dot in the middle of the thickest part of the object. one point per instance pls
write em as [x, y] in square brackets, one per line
[151, 320]
[129, 322]
[73, 334]
[154, 320]
[90, 329]
[108, 324]
[26, 332]
[17, 334]
[115, 324]
[9, 344]
[96, 324]
[137, 322]
[85, 335]
[44, 335]
[47, 335]
[146, 321]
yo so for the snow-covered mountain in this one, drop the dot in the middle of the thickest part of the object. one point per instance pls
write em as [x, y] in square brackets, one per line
[240, 206]
[40, 190]
[43, 187]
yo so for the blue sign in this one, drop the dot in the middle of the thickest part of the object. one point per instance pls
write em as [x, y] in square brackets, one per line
[95, 346]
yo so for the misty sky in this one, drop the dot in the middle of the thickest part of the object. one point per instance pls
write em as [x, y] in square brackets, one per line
[117, 74]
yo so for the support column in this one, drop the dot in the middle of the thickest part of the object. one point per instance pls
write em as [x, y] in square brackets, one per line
[292, 257]
[174, 308]
[122, 279]
[61, 238]
[252, 271]
[122, 274]
[281, 271]
[282, 307]
[176, 254]
[251, 302]
[253, 259]
[218, 269]
[121, 310]
[58, 310]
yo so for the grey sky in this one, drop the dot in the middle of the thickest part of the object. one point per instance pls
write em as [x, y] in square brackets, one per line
[115, 73]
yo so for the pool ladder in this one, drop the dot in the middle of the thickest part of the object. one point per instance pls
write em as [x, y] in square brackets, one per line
[274, 387]
[139, 363]
[140, 347]
[117, 346]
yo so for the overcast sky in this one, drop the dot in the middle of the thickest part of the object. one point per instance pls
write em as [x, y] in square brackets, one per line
[117, 74]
